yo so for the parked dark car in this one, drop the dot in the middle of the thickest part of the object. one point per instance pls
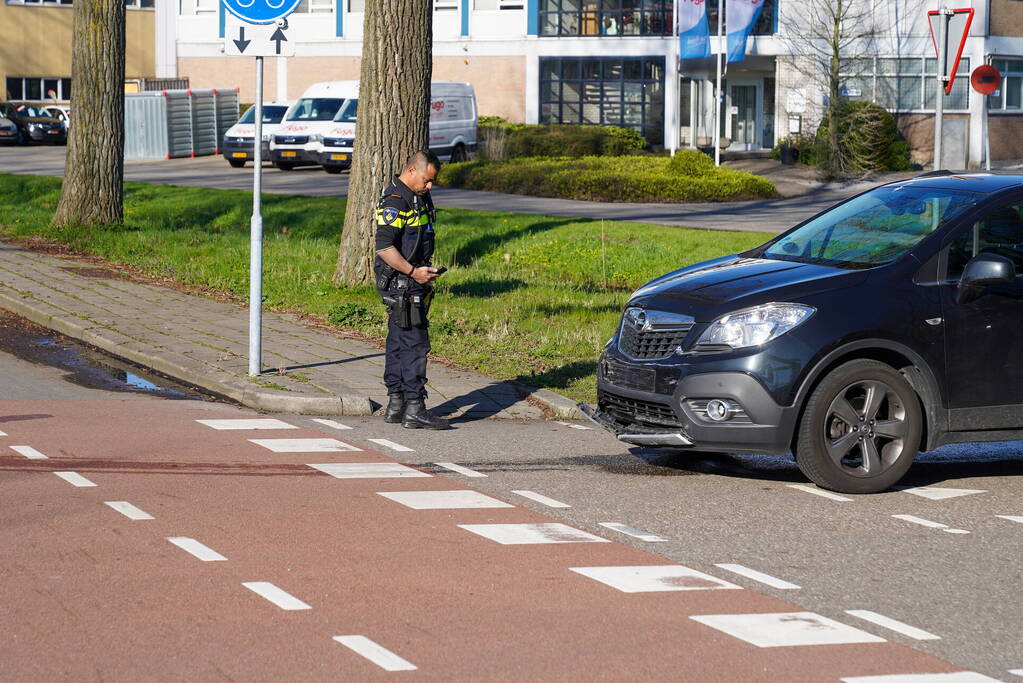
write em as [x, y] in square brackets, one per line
[889, 324]
[8, 131]
[34, 123]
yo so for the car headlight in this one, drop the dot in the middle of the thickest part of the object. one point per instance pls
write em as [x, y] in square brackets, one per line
[755, 326]
[315, 138]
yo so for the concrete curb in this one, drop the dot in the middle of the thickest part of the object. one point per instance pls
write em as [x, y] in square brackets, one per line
[559, 406]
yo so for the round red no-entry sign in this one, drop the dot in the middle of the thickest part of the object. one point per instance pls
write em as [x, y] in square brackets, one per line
[985, 79]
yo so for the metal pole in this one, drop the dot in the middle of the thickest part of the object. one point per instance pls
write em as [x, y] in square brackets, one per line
[987, 138]
[716, 137]
[256, 237]
[939, 103]
[676, 54]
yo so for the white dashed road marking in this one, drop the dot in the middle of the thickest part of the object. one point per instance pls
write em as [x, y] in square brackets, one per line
[305, 445]
[786, 629]
[29, 452]
[933, 493]
[766, 579]
[194, 547]
[458, 468]
[393, 446]
[634, 532]
[1012, 518]
[380, 656]
[74, 479]
[953, 677]
[820, 492]
[522, 534]
[1016, 672]
[275, 595]
[648, 579]
[128, 510]
[543, 500]
[892, 624]
[444, 500]
[928, 523]
[333, 424]
[368, 470]
[3, 433]
[247, 424]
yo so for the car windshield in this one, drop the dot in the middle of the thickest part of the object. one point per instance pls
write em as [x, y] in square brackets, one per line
[33, 112]
[347, 113]
[872, 229]
[272, 113]
[315, 109]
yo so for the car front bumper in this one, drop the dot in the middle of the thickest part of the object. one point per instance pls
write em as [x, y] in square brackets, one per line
[56, 137]
[336, 157]
[295, 155]
[244, 150]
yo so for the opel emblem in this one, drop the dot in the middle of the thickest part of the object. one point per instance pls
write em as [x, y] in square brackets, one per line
[636, 316]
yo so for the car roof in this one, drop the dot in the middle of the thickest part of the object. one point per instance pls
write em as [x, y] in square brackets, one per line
[974, 181]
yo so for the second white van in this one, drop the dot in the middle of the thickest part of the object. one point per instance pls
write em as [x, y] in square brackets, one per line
[299, 139]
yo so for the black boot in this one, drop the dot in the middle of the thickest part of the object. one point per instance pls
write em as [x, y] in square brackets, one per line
[395, 408]
[418, 417]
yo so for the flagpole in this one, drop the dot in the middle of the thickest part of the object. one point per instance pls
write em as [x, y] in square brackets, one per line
[716, 137]
[676, 53]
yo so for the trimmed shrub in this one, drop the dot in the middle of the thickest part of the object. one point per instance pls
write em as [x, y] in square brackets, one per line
[611, 179]
[868, 139]
[691, 162]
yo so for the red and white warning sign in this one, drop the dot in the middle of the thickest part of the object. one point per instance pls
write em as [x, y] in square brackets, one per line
[957, 27]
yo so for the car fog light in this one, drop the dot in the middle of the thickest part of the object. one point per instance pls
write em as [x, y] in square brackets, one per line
[718, 410]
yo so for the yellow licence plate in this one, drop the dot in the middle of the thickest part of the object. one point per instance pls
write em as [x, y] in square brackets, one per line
[338, 157]
[240, 155]
[289, 154]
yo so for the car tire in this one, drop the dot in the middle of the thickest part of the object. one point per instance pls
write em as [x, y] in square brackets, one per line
[236, 163]
[861, 428]
[458, 154]
[285, 165]
[23, 138]
[333, 169]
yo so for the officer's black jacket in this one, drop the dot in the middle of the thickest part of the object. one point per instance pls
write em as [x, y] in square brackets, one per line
[404, 220]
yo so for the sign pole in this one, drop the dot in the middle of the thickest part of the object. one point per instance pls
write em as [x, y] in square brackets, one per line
[939, 103]
[987, 139]
[716, 138]
[256, 236]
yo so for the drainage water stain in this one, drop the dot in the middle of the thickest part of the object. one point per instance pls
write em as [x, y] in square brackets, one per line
[84, 365]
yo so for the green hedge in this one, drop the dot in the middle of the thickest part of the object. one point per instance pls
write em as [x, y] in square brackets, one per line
[687, 177]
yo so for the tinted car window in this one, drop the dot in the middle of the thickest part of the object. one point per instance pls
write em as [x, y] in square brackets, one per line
[1000, 232]
[347, 113]
[271, 114]
[315, 109]
[32, 112]
[873, 229]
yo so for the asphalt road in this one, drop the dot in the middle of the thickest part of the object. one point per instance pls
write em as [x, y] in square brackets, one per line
[90, 593]
[771, 216]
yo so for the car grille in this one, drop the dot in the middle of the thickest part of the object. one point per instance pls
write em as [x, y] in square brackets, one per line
[291, 139]
[239, 140]
[648, 335]
[338, 142]
[635, 410]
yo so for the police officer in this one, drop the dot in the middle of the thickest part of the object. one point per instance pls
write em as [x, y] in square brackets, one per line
[404, 247]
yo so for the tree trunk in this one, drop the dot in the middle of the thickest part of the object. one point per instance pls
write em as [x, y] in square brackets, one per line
[836, 163]
[394, 101]
[94, 172]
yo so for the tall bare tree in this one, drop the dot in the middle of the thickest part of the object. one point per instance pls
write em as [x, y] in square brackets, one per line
[394, 100]
[94, 172]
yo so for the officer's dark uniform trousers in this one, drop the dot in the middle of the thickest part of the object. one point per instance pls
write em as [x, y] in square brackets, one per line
[404, 220]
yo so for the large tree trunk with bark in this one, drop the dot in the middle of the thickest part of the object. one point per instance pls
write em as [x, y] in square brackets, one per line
[94, 171]
[394, 100]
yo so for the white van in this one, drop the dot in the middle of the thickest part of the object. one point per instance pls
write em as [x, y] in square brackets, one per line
[237, 145]
[453, 118]
[298, 141]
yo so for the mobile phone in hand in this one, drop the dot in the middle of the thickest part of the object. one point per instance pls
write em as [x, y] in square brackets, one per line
[441, 270]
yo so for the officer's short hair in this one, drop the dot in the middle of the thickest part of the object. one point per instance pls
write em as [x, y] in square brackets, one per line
[421, 159]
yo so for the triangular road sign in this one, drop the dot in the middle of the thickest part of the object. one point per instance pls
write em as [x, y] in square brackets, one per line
[958, 28]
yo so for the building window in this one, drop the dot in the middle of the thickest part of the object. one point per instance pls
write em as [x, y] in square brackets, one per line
[315, 7]
[38, 88]
[606, 17]
[356, 5]
[609, 91]
[197, 7]
[767, 22]
[39, 2]
[1008, 97]
[903, 83]
[440, 5]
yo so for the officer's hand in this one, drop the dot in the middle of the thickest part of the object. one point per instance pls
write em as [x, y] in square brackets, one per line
[425, 274]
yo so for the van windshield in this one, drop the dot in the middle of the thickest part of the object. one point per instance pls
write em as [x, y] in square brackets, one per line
[872, 229]
[315, 109]
[347, 113]
[272, 113]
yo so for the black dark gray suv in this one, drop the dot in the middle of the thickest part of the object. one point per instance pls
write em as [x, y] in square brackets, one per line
[34, 123]
[889, 324]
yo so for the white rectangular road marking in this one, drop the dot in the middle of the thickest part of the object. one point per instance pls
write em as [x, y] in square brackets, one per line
[393, 446]
[3, 433]
[928, 523]
[247, 424]
[654, 578]
[1012, 518]
[1016, 672]
[766, 579]
[305, 445]
[952, 677]
[634, 532]
[786, 628]
[820, 492]
[523, 534]
[74, 479]
[194, 547]
[444, 500]
[368, 470]
[891, 624]
[935, 493]
[29, 452]
[380, 656]
[543, 500]
[333, 424]
[458, 468]
[275, 595]
[128, 510]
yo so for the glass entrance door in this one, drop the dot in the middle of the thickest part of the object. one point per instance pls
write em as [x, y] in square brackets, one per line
[744, 115]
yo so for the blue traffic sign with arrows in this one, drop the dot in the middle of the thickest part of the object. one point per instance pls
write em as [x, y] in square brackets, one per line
[261, 11]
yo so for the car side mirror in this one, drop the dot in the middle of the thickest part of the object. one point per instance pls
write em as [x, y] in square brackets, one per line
[983, 271]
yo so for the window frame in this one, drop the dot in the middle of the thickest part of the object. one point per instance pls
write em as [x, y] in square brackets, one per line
[925, 73]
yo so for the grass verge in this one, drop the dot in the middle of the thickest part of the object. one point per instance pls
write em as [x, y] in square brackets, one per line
[531, 298]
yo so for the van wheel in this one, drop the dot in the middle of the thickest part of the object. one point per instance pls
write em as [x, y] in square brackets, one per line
[861, 429]
[458, 154]
[285, 165]
[236, 163]
[333, 169]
